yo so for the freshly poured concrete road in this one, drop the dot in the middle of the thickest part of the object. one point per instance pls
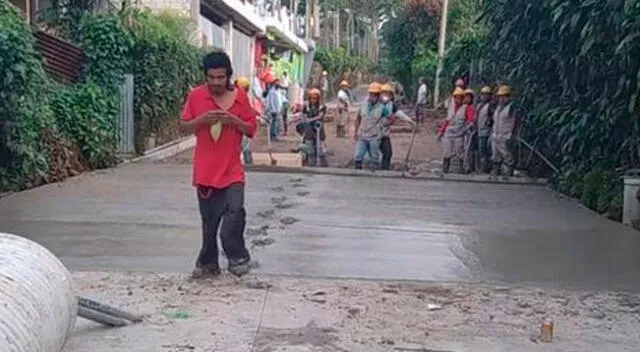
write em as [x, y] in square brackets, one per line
[143, 217]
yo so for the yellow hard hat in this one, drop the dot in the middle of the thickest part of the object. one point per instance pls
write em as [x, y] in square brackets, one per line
[504, 90]
[344, 84]
[458, 92]
[314, 91]
[469, 91]
[486, 90]
[387, 88]
[243, 82]
[375, 88]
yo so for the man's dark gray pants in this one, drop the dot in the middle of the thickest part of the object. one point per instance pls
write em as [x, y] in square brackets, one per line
[226, 205]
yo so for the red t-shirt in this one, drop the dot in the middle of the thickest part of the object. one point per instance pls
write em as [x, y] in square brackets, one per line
[217, 163]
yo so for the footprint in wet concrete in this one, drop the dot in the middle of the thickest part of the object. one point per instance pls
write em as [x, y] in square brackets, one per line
[266, 214]
[295, 180]
[299, 185]
[284, 206]
[302, 194]
[278, 189]
[257, 231]
[262, 242]
[288, 220]
[278, 200]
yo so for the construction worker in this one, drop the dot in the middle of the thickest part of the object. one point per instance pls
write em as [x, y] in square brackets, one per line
[505, 124]
[324, 84]
[343, 110]
[388, 98]
[423, 100]
[368, 128]
[313, 114]
[471, 137]
[484, 122]
[452, 132]
[274, 109]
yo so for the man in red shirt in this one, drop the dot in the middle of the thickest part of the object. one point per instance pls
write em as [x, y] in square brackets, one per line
[219, 115]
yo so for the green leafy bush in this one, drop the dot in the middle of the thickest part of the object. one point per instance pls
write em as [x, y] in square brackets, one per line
[575, 66]
[87, 115]
[341, 64]
[24, 110]
[107, 45]
[165, 66]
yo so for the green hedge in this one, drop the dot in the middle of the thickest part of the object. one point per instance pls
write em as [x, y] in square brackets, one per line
[575, 67]
[56, 131]
[24, 108]
[165, 66]
[87, 115]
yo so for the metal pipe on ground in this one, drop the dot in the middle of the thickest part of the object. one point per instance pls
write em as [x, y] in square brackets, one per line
[39, 307]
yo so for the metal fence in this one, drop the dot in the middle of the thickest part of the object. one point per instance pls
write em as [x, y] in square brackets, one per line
[126, 126]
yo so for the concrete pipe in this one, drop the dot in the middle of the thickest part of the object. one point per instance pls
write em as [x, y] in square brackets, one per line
[37, 303]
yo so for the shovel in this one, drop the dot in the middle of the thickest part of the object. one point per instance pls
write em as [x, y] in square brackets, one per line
[413, 138]
[273, 161]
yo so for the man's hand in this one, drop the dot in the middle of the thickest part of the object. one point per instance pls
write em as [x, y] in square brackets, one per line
[208, 118]
[225, 117]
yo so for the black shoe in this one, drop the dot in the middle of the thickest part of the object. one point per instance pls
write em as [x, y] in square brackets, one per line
[239, 268]
[201, 272]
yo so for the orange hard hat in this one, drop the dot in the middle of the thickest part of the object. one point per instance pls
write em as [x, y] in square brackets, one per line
[387, 88]
[314, 91]
[243, 82]
[375, 88]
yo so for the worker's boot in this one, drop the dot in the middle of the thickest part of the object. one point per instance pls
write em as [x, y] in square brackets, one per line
[323, 161]
[495, 170]
[472, 163]
[508, 172]
[357, 165]
[485, 166]
[460, 166]
[446, 164]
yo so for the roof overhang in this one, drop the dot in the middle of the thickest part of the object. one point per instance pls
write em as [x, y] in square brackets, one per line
[285, 38]
[243, 16]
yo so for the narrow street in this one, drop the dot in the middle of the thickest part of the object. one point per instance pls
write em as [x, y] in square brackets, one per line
[453, 254]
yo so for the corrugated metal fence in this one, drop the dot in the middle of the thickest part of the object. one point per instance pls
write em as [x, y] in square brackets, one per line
[62, 60]
[126, 124]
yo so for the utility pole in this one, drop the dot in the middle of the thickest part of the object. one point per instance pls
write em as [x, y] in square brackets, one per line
[441, 50]
[336, 29]
[307, 19]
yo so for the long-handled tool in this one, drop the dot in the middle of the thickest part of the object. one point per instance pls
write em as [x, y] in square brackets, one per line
[413, 138]
[273, 161]
[317, 126]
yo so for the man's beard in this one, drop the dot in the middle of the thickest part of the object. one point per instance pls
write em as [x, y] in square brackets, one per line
[217, 89]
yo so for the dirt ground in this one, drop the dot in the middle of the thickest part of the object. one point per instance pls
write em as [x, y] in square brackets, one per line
[289, 314]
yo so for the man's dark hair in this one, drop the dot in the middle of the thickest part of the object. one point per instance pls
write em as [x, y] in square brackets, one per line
[215, 60]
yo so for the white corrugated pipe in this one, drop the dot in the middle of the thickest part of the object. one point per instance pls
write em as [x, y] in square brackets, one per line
[37, 303]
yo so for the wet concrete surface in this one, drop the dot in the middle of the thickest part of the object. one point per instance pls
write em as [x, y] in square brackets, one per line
[143, 217]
